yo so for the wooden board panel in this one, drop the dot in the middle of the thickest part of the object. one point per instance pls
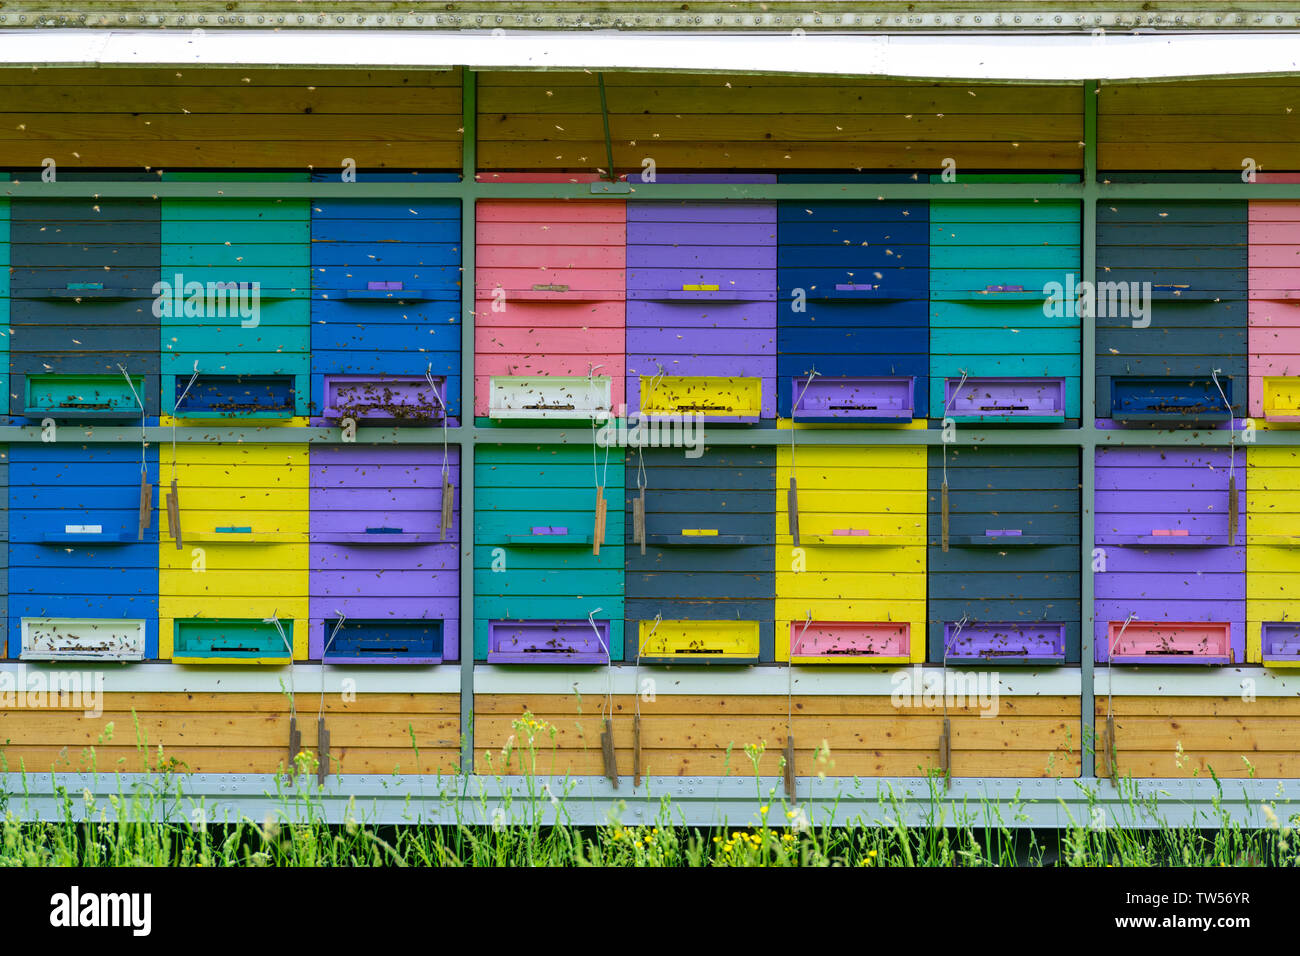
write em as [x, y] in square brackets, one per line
[1199, 125]
[292, 119]
[1194, 736]
[863, 736]
[235, 733]
[553, 121]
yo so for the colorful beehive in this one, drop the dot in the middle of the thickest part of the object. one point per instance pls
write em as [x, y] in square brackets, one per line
[852, 591]
[385, 571]
[701, 312]
[83, 575]
[852, 304]
[82, 310]
[542, 595]
[385, 309]
[1006, 589]
[1173, 588]
[549, 317]
[241, 564]
[1187, 262]
[236, 303]
[1004, 339]
[1273, 337]
[1273, 556]
[702, 591]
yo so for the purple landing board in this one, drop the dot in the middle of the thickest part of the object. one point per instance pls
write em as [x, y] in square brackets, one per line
[377, 552]
[1159, 577]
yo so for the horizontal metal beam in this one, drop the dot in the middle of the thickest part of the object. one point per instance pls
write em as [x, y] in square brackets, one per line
[827, 17]
[1013, 803]
[708, 436]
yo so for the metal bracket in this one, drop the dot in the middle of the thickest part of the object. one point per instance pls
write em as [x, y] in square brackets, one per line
[295, 745]
[792, 506]
[790, 792]
[323, 749]
[607, 752]
[636, 750]
[945, 754]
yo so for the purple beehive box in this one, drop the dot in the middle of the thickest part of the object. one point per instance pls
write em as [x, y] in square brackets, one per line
[1145, 497]
[676, 254]
[377, 550]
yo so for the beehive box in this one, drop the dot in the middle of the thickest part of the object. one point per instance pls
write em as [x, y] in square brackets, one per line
[1273, 337]
[707, 573]
[242, 563]
[852, 591]
[385, 307]
[83, 572]
[549, 314]
[1193, 256]
[1004, 342]
[1006, 589]
[852, 305]
[1171, 570]
[541, 593]
[83, 277]
[251, 344]
[385, 570]
[701, 311]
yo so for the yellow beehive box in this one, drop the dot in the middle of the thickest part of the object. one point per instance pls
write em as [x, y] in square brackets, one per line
[242, 563]
[853, 590]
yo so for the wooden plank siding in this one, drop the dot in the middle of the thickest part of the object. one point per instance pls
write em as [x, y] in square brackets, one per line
[234, 733]
[232, 119]
[721, 122]
[684, 735]
[1202, 125]
[1192, 736]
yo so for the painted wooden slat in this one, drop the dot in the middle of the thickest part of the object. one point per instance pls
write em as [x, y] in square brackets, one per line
[1162, 522]
[81, 568]
[380, 557]
[261, 326]
[244, 519]
[1188, 263]
[998, 271]
[1011, 570]
[859, 569]
[82, 277]
[852, 281]
[709, 528]
[550, 289]
[385, 282]
[701, 286]
[534, 523]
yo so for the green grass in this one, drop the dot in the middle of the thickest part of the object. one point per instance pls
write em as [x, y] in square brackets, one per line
[159, 824]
